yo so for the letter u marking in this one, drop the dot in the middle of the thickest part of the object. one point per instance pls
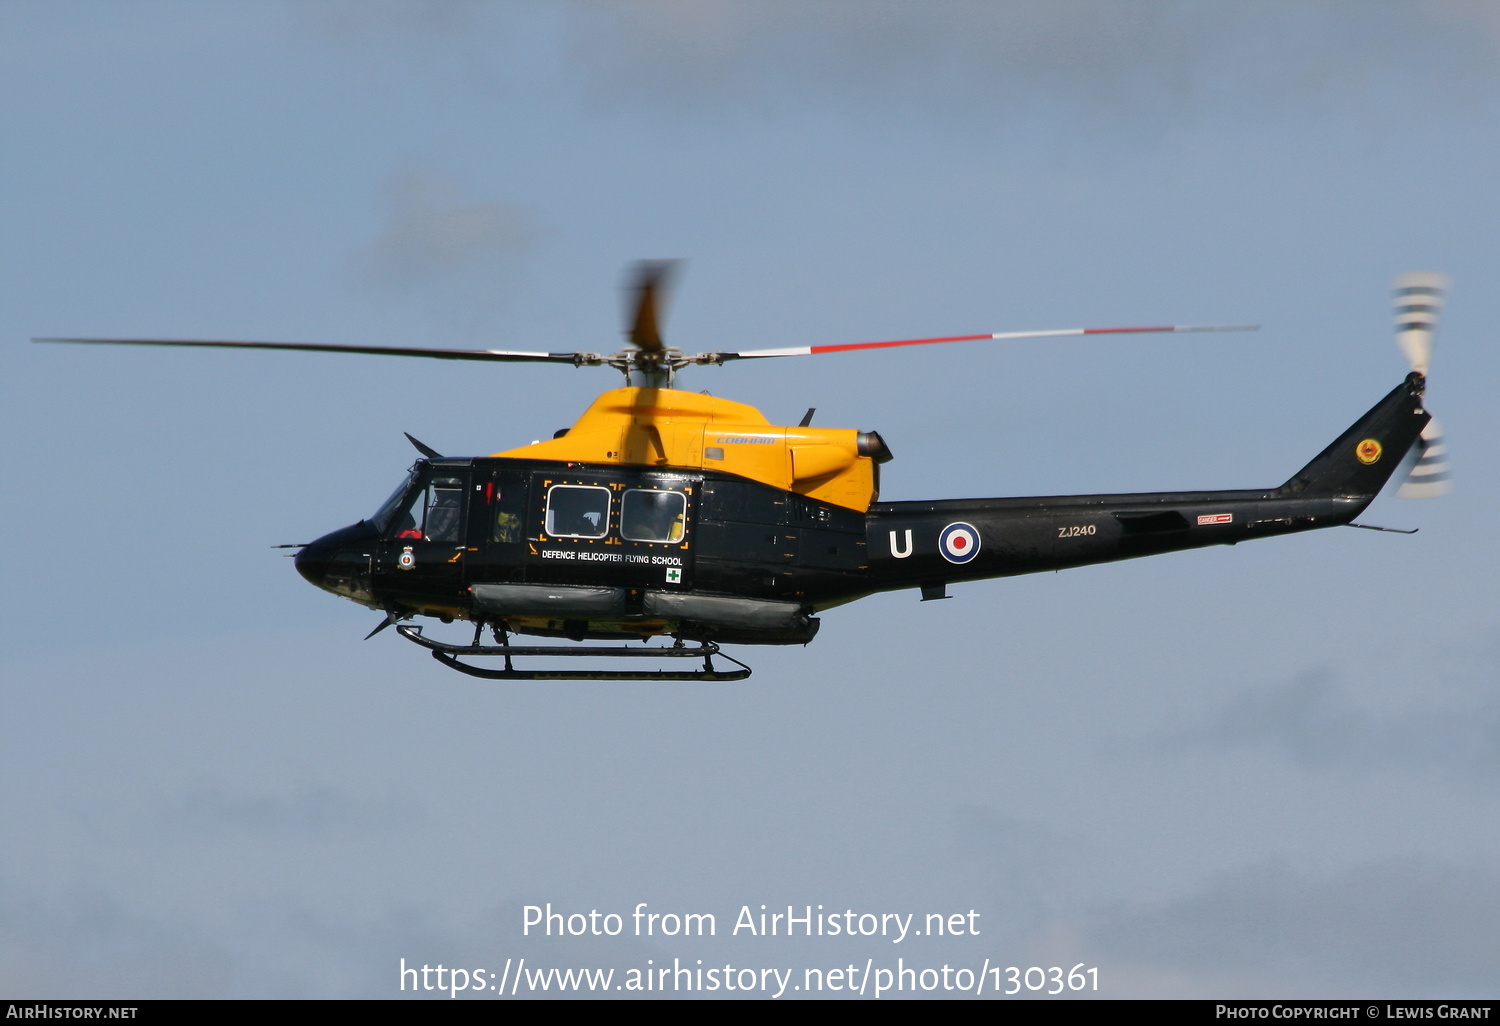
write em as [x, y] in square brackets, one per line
[901, 553]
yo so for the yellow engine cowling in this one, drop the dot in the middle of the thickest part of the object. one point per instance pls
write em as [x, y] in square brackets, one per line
[667, 428]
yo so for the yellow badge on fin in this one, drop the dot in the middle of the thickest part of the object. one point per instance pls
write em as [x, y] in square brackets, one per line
[1368, 451]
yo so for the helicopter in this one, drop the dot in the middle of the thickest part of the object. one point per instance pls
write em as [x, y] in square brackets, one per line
[663, 513]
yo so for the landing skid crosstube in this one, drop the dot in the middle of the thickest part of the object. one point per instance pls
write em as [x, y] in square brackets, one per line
[447, 655]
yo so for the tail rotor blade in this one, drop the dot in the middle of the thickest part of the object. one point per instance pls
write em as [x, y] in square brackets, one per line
[1418, 299]
[1428, 477]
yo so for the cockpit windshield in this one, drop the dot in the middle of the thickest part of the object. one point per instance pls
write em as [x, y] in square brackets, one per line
[391, 506]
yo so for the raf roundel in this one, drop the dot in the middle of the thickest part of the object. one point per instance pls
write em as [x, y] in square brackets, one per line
[959, 543]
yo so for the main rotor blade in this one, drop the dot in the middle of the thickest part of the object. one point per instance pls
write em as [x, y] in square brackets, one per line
[650, 299]
[751, 354]
[501, 355]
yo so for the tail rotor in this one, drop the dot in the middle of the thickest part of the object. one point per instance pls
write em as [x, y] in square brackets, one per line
[1418, 300]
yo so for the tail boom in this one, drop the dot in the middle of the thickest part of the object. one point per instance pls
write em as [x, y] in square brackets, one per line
[929, 544]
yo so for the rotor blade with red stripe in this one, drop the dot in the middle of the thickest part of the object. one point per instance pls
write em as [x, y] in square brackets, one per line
[499, 355]
[751, 354]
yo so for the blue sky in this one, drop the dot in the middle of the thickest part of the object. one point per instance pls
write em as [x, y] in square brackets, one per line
[1269, 770]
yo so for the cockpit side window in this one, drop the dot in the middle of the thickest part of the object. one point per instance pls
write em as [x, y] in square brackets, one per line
[577, 511]
[444, 520]
[432, 513]
[649, 515]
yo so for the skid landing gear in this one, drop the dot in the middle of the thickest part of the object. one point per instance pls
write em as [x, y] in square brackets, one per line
[447, 655]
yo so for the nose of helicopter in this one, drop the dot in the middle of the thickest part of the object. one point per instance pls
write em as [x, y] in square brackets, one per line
[312, 562]
[331, 560]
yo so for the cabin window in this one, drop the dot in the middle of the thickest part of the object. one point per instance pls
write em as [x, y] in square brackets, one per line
[577, 511]
[647, 515]
[505, 496]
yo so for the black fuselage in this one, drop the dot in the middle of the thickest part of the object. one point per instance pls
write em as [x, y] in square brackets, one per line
[593, 551]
